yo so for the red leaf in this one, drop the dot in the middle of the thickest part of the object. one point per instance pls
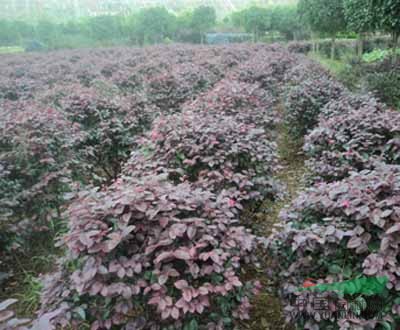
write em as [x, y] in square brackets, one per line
[182, 254]
[308, 284]
[181, 284]
[393, 229]
[175, 313]
[354, 242]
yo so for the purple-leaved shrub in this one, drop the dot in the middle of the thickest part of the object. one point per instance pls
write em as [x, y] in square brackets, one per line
[213, 152]
[146, 242]
[246, 102]
[36, 153]
[305, 100]
[170, 89]
[302, 69]
[338, 231]
[267, 69]
[110, 124]
[348, 102]
[353, 141]
[300, 47]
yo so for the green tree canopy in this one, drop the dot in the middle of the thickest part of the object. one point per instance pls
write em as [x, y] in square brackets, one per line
[7, 33]
[203, 18]
[324, 16]
[256, 20]
[104, 27]
[154, 24]
[360, 18]
[285, 20]
[183, 30]
[388, 16]
[46, 31]
[359, 15]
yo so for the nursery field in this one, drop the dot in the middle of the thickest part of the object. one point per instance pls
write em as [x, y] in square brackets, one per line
[194, 187]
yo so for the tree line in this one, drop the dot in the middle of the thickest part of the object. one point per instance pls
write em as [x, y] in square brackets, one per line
[330, 17]
[147, 26]
[152, 25]
[309, 19]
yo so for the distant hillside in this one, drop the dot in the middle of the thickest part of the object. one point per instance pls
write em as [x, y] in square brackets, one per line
[70, 8]
[222, 6]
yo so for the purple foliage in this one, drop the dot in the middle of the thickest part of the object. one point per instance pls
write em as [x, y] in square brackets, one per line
[348, 102]
[300, 47]
[36, 153]
[353, 141]
[267, 68]
[304, 68]
[305, 100]
[110, 123]
[215, 153]
[245, 102]
[69, 116]
[168, 90]
[168, 246]
[337, 231]
[212, 138]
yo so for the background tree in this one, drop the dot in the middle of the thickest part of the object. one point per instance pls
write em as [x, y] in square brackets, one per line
[104, 27]
[203, 19]
[46, 31]
[255, 20]
[285, 20]
[183, 30]
[7, 33]
[325, 17]
[360, 18]
[132, 28]
[388, 18]
[154, 24]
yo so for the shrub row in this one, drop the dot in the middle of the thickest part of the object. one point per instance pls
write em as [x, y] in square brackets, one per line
[310, 88]
[383, 80]
[215, 152]
[109, 124]
[24, 76]
[353, 141]
[340, 231]
[244, 102]
[267, 68]
[345, 225]
[35, 168]
[146, 242]
[348, 102]
[67, 120]
[300, 47]
[342, 47]
[161, 247]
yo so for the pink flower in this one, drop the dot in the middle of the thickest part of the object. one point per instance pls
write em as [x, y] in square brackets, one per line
[346, 204]
[231, 202]
[308, 283]
[154, 135]
[348, 153]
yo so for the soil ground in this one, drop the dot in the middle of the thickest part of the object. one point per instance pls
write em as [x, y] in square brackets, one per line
[267, 313]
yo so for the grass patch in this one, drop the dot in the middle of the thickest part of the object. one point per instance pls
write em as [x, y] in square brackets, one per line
[267, 312]
[11, 50]
[23, 281]
[334, 66]
[29, 297]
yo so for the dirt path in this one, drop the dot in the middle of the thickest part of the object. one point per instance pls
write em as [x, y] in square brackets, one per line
[267, 312]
